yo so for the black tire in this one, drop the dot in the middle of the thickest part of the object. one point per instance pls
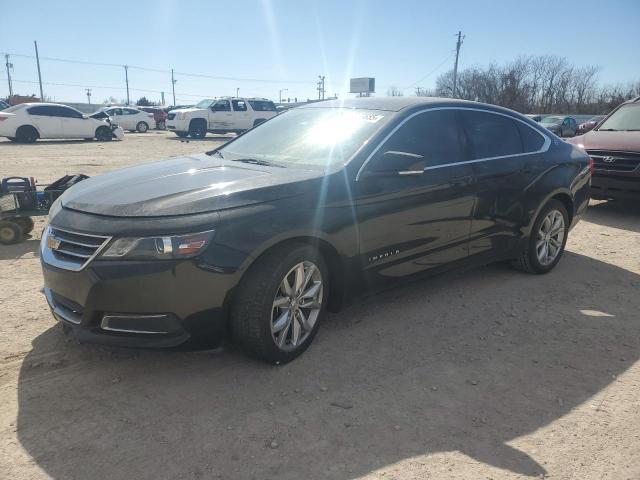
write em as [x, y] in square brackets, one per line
[27, 134]
[103, 134]
[252, 305]
[182, 134]
[26, 224]
[142, 127]
[528, 260]
[12, 139]
[198, 128]
[161, 125]
[258, 122]
[10, 232]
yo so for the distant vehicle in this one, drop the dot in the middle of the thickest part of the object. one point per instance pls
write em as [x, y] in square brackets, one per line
[535, 118]
[614, 146]
[27, 122]
[224, 115]
[561, 126]
[3, 105]
[584, 127]
[159, 116]
[130, 118]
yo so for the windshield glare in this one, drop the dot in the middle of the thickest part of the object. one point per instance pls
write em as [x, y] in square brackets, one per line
[308, 136]
[206, 103]
[625, 118]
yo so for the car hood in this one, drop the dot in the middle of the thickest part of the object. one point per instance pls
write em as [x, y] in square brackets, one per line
[184, 185]
[189, 111]
[600, 140]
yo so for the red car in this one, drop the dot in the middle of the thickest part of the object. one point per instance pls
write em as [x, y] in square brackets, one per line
[614, 146]
[159, 116]
[589, 125]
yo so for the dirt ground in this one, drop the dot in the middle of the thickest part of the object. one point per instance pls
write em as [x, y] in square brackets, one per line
[489, 373]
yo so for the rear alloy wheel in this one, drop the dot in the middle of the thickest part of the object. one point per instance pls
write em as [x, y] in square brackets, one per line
[103, 134]
[547, 240]
[27, 134]
[10, 232]
[142, 127]
[280, 303]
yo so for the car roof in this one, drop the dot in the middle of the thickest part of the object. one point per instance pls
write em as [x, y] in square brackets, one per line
[391, 104]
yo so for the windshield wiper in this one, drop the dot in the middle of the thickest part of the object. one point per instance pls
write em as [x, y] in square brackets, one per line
[255, 161]
[215, 152]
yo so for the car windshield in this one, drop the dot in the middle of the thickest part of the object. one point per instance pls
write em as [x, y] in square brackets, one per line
[626, 118]
[307, 137]
[552, 120]
[206, 103]
[14, 108]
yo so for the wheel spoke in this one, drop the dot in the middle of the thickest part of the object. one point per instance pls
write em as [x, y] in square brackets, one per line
[310, 271]
[283, 336]
[280, 302]
[299, 278]
[296, 328]
[285, 286]
[282, 322]
[312, 291]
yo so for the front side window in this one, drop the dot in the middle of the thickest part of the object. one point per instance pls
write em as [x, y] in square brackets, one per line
[426, 140]
[222, 106]
[114, 111]
[491, 135]
[625, 119]
[316, 137]
[67, 112]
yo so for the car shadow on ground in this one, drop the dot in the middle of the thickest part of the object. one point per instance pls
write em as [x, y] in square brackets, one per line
[464, 362]
[624, 215]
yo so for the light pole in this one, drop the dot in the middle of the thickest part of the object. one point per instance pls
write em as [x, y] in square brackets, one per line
[237, 92]
[280, 93]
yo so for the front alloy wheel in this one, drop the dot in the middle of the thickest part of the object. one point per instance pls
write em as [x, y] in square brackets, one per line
[296, 306]
[280, 302]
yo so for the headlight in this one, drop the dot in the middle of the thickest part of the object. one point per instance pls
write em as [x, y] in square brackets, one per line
[161, 248]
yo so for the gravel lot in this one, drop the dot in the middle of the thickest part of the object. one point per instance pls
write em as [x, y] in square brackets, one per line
[489, 373]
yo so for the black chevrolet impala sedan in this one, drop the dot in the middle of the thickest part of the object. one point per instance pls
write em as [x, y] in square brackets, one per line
[258, 238]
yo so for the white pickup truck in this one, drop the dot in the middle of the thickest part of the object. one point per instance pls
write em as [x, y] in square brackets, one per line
[223, 115]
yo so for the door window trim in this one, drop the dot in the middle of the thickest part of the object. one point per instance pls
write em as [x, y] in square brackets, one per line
[543, 149]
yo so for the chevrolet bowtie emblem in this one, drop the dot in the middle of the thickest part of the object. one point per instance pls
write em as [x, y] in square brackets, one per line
[52, 242]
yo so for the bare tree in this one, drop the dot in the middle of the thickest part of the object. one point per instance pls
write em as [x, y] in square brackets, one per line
[394, 91]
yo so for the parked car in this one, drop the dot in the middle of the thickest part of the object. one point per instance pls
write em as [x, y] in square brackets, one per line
[27, 122]
[584, 127]
[534, 117]
[159, 116]
[3, 105]
[561, 126]
[130, 118]
[614, 146]
[262, 235]
[224, 115]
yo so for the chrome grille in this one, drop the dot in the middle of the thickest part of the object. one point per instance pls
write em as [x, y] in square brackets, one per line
[70, 250]
[614, 161]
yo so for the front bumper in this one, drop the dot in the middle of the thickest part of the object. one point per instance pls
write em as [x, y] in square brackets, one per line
[610, 186]
[178, 125]
[152, 304]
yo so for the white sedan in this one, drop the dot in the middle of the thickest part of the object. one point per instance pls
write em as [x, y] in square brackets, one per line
[130, 118]
[27, 122]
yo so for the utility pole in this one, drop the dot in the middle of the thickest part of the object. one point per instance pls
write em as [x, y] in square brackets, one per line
[173, 87]
[162, 98]
[321, 87]
[39, 75]
[280, 93]
[237, 92]
[126, 77]
[9, 65]
[455, 67]
[88, 96]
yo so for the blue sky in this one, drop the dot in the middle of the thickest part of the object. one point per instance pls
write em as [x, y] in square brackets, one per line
[287, 44]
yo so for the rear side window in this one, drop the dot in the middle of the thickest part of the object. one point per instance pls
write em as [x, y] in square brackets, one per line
[532, 141]
[129, 111]
[491, 135]
[428, 139]
[262, 105]
[42, 110]
[239, 105]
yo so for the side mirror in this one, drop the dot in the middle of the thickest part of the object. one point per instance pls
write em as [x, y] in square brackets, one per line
[396, 164]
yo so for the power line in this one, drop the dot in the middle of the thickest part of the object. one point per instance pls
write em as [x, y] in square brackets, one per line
[430, 73]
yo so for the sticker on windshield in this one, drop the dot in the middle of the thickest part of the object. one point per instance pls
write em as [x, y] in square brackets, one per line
[371, 117]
